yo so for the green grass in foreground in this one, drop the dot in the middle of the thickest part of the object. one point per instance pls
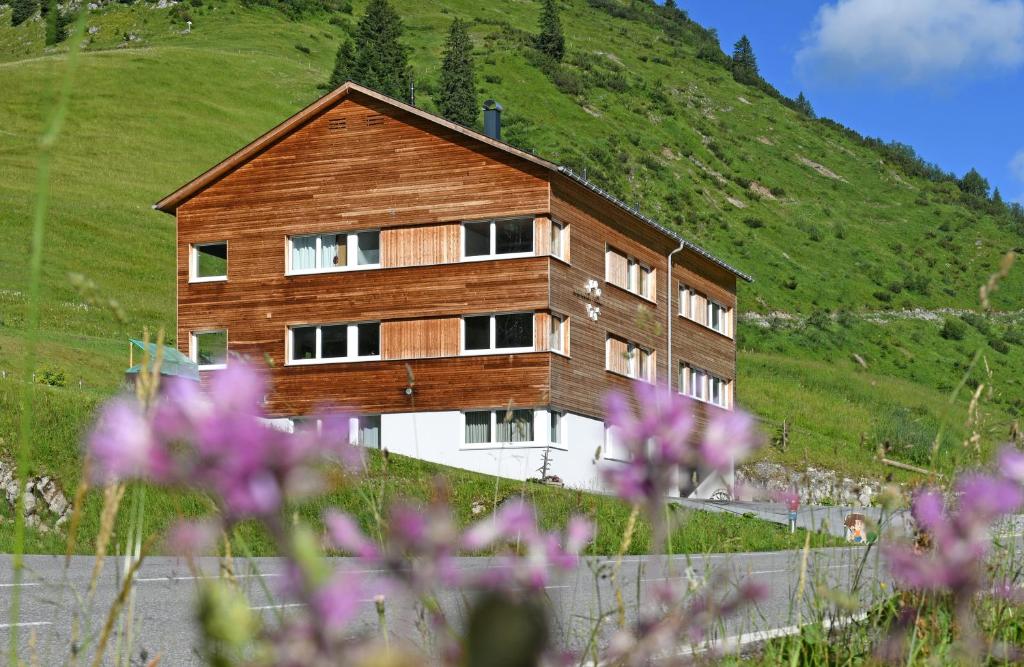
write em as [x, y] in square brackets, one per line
[65, 414]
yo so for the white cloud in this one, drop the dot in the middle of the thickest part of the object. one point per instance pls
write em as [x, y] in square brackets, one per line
[912, 41]
[1017, 165]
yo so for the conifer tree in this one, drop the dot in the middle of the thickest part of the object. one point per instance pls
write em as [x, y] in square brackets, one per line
[744, 63]
[551, 41]
[670, 4]
[23, 10]
[457, 97]
[377, 59]
[974, 183]
[803, 105]
[344, 63]
[997, 197]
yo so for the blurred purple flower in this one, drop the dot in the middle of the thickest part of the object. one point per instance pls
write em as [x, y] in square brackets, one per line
[730, 436]
[659, 438]
[337, 602]
[217, 441]
[1011, 463]
[346, 534]
[123, 445]
[191, 539]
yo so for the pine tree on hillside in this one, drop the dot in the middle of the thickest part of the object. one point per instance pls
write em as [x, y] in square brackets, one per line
[551, 41]
[377, 59]
[670, 4]
[344, 63]
[974, 183]
[744, 63]
[23, 10]
[457, 97]
[997, 197]
[803, 105]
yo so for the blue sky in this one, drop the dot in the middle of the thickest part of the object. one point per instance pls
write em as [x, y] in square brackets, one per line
[945, 76]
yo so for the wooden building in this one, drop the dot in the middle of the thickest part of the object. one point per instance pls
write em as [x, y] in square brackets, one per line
[470, 301]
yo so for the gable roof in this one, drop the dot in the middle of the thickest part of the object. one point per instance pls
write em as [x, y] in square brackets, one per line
[172, 201]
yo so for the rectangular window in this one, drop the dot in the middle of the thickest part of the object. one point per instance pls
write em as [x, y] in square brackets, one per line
[559, 334]
[559, 242]
[717, 317]
[209, 349]
[317, 253]
[334, 342]
[614, 448]
[557, 420]
[514, 425]
[629, 273]
[716, 391]
[368, 430]
[628, 358]
[497, 238]
[499, 427]
[478, 427]
[208, 262]
[702, 386]
[498, 333]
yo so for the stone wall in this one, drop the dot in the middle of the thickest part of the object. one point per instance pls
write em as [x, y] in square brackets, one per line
[815, 486]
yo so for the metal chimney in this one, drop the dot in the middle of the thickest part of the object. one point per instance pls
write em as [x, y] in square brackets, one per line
[492, 119]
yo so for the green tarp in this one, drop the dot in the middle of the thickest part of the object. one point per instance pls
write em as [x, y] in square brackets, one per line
[172, 362]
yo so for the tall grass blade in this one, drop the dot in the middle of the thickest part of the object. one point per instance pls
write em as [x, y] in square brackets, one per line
[47, 143]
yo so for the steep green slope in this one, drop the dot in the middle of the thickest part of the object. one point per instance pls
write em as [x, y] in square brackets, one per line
[825, 224]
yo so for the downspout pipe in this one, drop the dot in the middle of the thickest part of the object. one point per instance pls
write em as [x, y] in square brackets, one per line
[682, 245]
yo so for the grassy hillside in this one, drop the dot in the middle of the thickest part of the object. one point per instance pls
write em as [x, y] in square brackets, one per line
[835, 235]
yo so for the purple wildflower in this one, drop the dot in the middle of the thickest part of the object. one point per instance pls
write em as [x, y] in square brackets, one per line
[730, 436]
[192, 538]
[123, 445]
[1011, 463]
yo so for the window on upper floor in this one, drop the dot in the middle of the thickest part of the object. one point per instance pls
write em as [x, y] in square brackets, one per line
[627, 358]
[629, 273]
[208, 262]
[559, 240]
[697, 383]
[698, 307]
[209, 349]
[559, 335]
[497, 238]
[326, 343]
[318, 253]
[512, 332]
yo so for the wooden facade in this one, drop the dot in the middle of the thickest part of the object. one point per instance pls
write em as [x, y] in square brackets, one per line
[357, 162]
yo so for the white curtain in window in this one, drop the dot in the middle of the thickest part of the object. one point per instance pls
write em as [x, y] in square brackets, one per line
[303, 253]
[329, 250]
[478, 427]
[369, 431]
[515, 426]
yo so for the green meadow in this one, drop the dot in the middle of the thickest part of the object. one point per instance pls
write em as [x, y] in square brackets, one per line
[837, 237]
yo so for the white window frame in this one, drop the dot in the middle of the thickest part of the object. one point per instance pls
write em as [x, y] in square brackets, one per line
[351, 343]
[193, 349]
[493, 335]
[558, 429]
[561, 232]
[613, 449]
[354, 427]
[559, 332]
[351, 253]
[496, 417]
[723, 316]
[708, 381]
[193, 263]
[634, 267]
[494, 241]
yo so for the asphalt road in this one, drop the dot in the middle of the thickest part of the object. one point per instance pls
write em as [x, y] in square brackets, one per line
[165, 594]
